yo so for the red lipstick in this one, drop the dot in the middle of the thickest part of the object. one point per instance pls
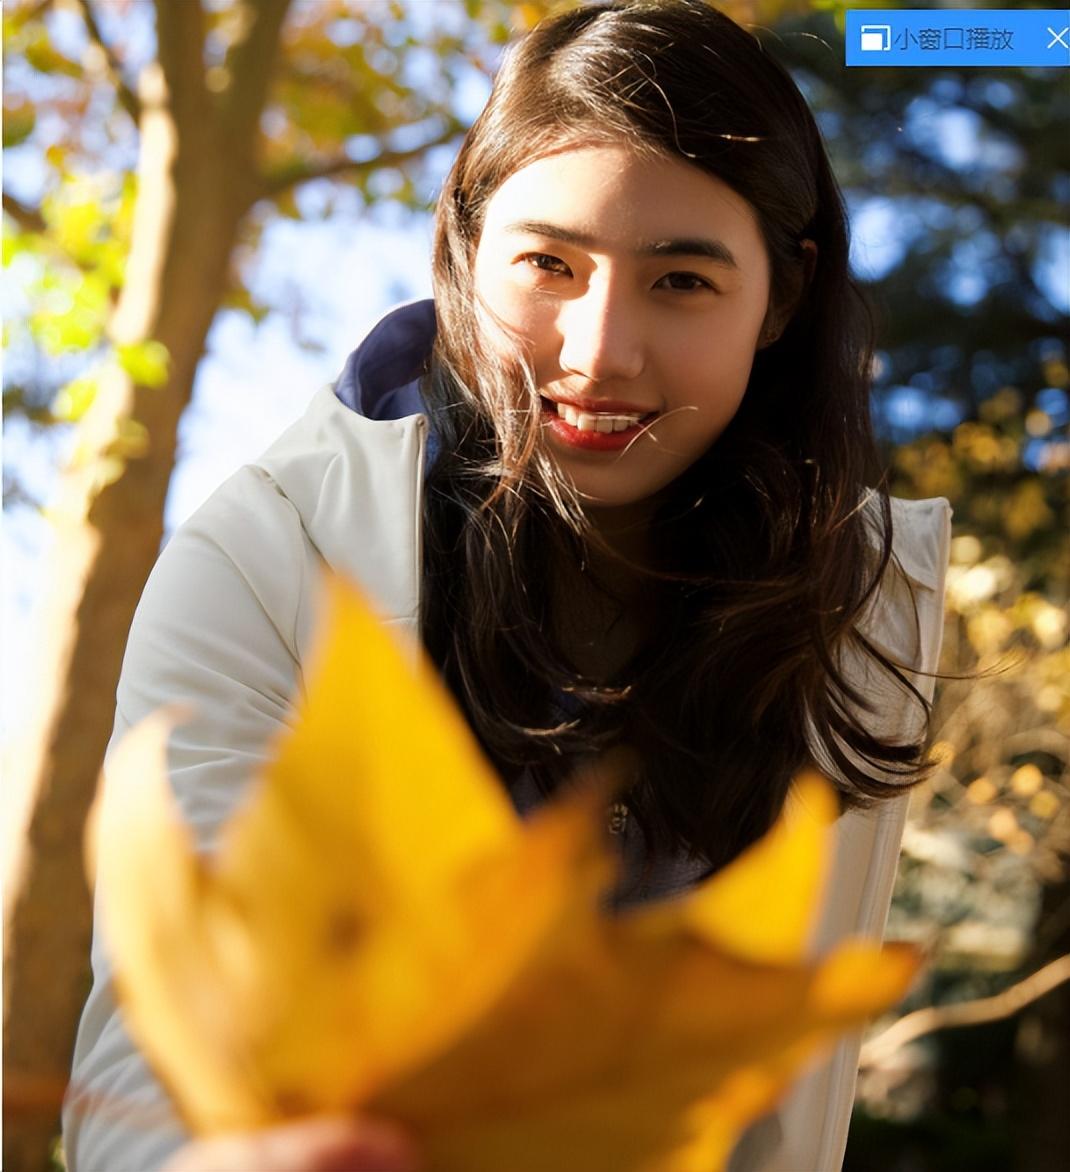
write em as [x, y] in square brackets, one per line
[594, 441]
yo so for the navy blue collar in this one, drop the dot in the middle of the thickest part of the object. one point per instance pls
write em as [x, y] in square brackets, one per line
[381, 378]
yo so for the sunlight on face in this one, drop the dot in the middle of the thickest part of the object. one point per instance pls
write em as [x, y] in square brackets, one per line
[638, 287]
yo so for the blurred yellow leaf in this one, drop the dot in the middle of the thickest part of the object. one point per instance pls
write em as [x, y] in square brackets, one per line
[1056, 373]
[45, 57]
[1002, 824]
[75, 399]
[1021, 842]
[18, 122]
[746, 911]
[1049, 625]
[1038, 422]
[1026, 780]
[989, 629]
[980, 791]
[1044, 805]
[942, 754]
[1003, 405]
[965, 550]
[1026, 510]
[378, 930]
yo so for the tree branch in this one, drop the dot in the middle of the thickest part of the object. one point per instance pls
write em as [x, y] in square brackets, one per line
[250, 64]
[985, 1009]
[28, 219]
[112, 65]
[180, 41]
[30, 12]
[274, 183]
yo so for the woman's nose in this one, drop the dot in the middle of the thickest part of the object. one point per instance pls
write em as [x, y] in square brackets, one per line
[601, 335]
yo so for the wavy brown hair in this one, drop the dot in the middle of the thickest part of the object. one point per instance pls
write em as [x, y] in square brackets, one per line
[767, 549]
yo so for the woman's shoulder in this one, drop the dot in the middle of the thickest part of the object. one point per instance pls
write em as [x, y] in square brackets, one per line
[336, 489]
[228, 587]
[905, 616]
[333, 462]
[230, 607]
[921, 538]
[344, 480]
[355, 485]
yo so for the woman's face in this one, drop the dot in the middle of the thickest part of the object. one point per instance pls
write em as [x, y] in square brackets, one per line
[638, 288]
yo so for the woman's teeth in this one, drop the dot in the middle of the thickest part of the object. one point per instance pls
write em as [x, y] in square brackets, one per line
[604, 422]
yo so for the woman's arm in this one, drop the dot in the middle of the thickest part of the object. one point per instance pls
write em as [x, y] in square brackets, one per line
[906, 623]
[218, 628]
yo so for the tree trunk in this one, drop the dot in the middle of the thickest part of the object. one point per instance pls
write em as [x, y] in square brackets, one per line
[190, 202]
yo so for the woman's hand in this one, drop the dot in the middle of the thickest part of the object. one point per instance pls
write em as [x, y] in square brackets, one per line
[313, 1145]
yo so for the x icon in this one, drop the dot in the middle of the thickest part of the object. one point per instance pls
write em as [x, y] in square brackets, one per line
[1057, 38]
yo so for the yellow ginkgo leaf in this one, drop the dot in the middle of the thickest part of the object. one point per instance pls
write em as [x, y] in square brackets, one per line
[156, 928]
[623, 1034]
[313, 956]
[379, 931]
[752, 911]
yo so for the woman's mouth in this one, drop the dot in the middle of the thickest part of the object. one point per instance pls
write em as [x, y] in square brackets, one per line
[601, 430]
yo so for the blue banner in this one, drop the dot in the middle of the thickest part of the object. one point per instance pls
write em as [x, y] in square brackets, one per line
[982, 37]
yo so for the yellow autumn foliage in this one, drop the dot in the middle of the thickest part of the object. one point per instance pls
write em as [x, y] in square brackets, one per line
[379, 931]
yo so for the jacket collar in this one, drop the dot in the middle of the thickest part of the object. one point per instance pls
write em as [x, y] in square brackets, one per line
[380, 379]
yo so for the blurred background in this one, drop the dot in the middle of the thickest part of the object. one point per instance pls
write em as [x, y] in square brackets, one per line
[206, 205]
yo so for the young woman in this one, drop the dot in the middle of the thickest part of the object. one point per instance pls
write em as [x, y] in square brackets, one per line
[621, 481]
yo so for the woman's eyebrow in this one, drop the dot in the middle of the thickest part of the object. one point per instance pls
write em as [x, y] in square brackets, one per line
[715, 250]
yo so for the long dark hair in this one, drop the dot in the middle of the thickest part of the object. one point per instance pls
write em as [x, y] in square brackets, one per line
[768, 548]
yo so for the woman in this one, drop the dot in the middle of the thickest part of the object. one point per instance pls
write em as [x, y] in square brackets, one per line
[616, 479]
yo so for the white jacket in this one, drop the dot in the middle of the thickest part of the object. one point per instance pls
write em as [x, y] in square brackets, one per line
[225, 622]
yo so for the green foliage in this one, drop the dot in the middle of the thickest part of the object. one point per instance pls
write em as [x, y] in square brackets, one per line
[19, 122]
[145, 362]
[76, 397]
[40, 52]
[71, 272]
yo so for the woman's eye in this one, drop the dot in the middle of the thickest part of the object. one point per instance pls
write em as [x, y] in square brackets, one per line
[684, 282]
[547, 264]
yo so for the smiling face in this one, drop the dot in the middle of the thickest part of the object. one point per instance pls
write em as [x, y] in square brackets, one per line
[638, 287]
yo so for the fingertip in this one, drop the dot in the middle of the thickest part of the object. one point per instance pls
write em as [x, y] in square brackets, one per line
[365, 1145]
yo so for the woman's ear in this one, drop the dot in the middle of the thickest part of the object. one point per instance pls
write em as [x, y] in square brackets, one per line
[776, 320]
